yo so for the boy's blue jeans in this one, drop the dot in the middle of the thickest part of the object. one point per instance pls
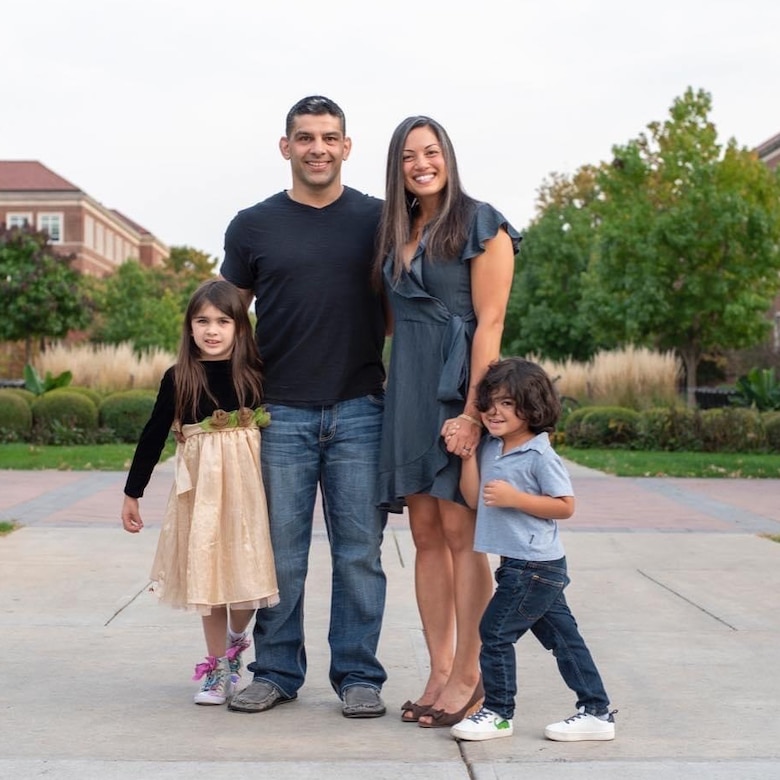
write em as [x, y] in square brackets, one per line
[335, 448]
[530, 596]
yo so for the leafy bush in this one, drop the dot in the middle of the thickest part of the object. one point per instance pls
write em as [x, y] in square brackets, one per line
[771, 422]
[732, 429]
[571, 425]
[126, 413]
[66, 409]
[15, 416]
[672, 428]
[38, 385]
[758, 389]
[602, 426]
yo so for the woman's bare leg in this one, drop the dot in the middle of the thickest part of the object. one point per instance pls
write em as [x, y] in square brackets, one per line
[472, 589]
[434, 591]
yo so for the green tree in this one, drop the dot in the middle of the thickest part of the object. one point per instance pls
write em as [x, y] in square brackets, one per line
[186, 260]
[543, 316]
[41, 296]
[688, 249]
[137, 306]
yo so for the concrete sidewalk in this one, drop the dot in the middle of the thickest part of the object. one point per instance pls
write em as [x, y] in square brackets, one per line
[675, 589]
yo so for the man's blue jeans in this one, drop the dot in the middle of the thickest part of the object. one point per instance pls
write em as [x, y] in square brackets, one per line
[335, 448]
[529, 595]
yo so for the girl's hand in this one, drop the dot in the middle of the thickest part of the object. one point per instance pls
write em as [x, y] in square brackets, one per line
[461, 436]
[131, 517]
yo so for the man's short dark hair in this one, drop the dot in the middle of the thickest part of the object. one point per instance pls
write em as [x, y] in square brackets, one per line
[317, 105]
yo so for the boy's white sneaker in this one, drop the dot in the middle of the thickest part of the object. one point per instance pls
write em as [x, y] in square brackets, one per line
[582, 727]
[483, 724]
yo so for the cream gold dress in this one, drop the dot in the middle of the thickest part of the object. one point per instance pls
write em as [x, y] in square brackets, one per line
[215, 547]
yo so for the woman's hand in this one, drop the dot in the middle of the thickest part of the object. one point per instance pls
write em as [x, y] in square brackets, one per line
[461, 436]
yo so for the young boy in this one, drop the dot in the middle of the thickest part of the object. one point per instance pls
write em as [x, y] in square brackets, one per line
[524, 488]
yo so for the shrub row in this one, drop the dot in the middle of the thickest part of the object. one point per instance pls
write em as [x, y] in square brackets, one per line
[727, 429]
[73, 415]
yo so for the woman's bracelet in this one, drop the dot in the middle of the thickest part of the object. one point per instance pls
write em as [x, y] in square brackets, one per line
[471, 419]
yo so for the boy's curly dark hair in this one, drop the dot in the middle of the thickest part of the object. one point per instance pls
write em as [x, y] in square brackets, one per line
[527, 384]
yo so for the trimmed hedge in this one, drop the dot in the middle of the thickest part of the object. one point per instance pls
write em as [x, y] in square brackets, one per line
[674, 428]
[88, 392]
[126, 413]
[732, 429]
[772, 429]
[26, 395]
[602, 426]
[15, 416]
[65, 409]
[726, 429]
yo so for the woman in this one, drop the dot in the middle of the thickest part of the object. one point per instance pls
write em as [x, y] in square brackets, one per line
[446, 261]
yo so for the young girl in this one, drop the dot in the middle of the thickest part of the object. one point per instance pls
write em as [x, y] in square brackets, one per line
[520, 487]
[214, 555]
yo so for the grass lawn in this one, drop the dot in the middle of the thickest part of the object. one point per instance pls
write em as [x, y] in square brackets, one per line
[78, 457]
[622, 463]
[634, 463]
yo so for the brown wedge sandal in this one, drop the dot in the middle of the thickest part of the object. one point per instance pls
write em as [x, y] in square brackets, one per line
[416, 709]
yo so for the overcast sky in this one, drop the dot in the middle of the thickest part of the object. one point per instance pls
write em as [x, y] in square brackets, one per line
[171, 110]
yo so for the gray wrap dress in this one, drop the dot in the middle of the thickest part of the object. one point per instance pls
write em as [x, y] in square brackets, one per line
[428, 379]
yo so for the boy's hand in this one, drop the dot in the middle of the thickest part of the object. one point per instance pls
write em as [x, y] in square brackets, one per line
[497, 492]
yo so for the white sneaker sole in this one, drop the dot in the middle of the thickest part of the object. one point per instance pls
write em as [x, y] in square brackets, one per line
[203, 697]
[582, 736]
[480, 736]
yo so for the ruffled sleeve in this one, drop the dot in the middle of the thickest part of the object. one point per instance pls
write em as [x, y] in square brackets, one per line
[485, 225]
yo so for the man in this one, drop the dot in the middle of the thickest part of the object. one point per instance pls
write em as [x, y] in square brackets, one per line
[305, 255]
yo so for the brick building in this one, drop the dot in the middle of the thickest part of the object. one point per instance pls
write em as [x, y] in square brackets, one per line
[99, 237]
[769, 152]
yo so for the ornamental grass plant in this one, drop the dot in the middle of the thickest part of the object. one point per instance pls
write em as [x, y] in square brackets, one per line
[634, 377]
[106, 368]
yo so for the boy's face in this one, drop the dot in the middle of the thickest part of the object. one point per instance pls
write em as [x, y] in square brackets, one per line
[503, 420]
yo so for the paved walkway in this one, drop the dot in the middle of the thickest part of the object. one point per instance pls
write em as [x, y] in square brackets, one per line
[674, 586]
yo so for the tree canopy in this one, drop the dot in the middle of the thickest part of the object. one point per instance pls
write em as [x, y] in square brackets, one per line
[41, 295]
[145, 306]
[674, 245]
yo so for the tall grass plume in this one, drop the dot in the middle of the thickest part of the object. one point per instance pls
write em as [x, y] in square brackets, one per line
[106, 368]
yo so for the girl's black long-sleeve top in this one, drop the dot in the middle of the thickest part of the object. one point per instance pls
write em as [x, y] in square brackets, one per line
[155, 432]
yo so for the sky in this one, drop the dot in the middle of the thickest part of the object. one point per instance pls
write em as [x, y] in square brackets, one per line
[171, 110]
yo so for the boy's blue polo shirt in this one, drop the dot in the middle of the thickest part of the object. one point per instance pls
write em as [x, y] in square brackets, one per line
[535, 468]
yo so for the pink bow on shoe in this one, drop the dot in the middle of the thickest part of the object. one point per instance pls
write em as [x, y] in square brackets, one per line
[201, 669]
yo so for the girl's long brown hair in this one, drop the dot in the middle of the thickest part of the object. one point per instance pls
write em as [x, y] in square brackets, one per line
[189, 374]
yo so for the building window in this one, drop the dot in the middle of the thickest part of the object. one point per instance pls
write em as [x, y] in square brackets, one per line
[17, 220]
[52, 224]
[89, 232]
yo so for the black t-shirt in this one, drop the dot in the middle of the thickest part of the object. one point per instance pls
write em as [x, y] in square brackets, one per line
[320, 323]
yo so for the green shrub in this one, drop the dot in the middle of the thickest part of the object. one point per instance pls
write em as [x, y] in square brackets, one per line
[732, 429]
[610, 426]
[670, 428]
[88, 392]
[64, 409]
[771, 422]
[22, 393]
[15, 416]
[126, 413]
[570, 427]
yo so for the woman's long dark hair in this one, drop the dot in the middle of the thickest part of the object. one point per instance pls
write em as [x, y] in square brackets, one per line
[189, 374]
[448, 230]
